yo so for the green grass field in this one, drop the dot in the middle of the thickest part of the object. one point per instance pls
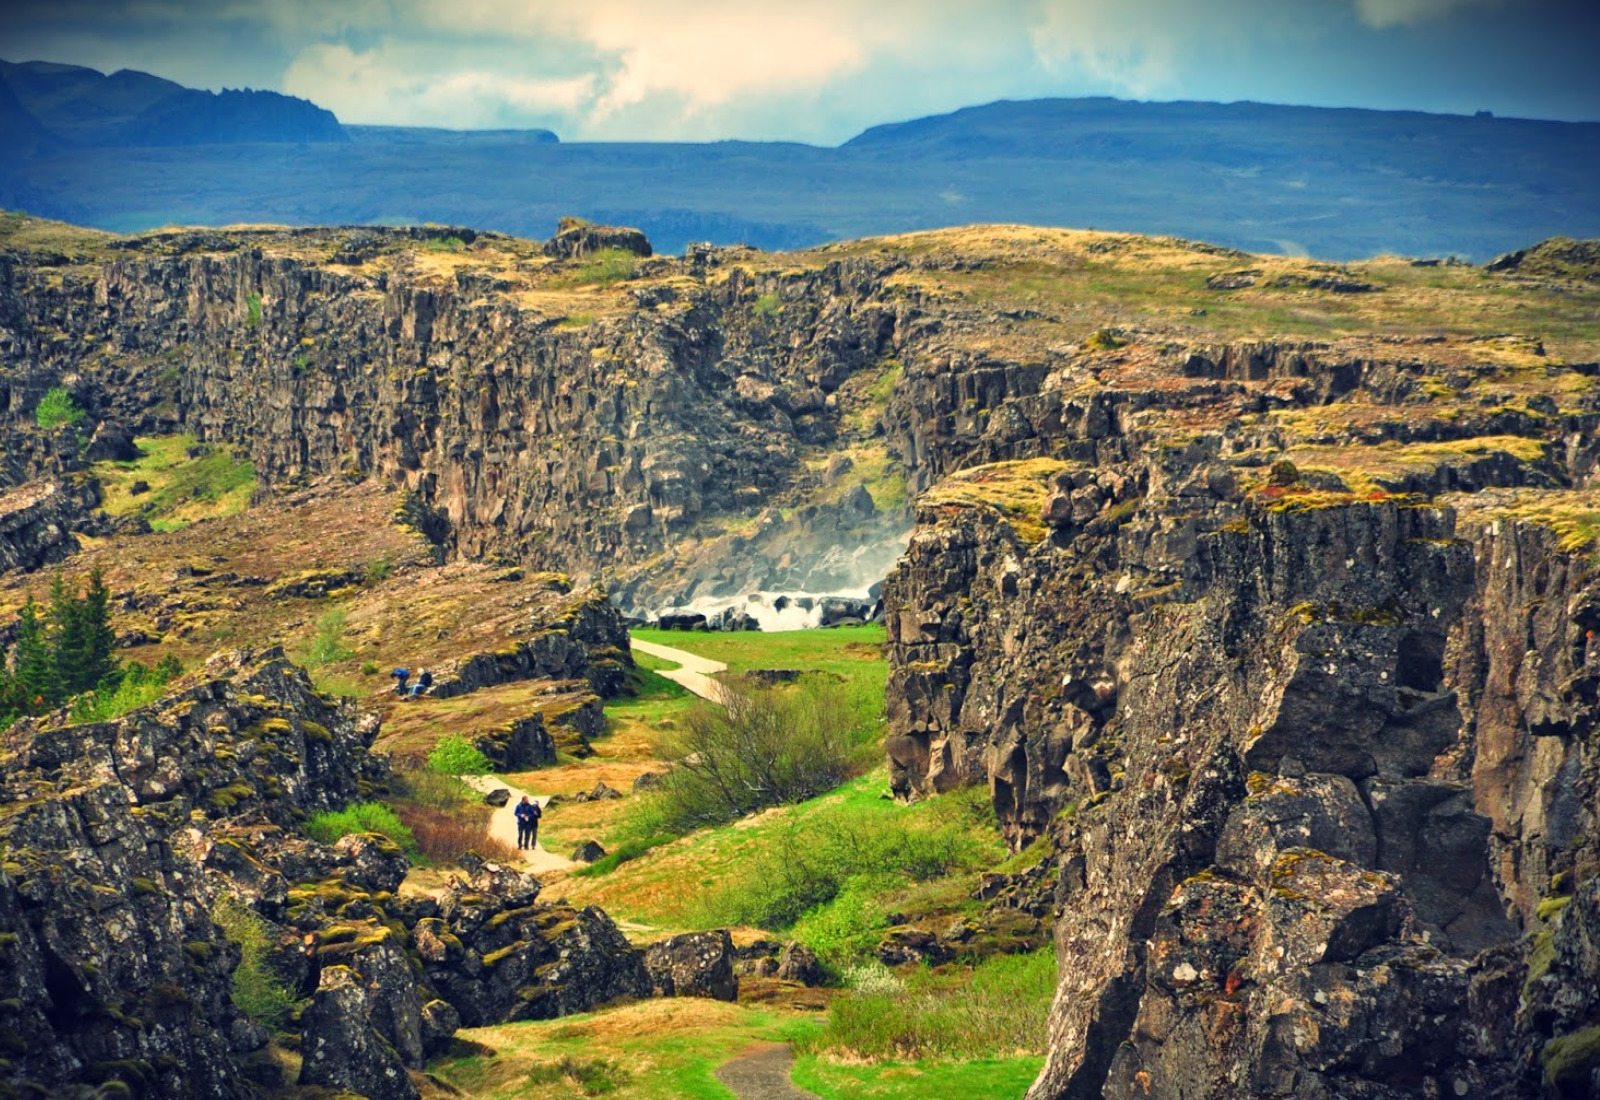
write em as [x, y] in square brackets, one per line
[181, 489]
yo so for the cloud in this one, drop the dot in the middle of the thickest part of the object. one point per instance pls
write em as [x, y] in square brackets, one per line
[402, 83]
[1151, 48]
[1383, 14]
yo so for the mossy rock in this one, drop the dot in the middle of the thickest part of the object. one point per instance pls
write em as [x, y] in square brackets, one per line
[1570, 1062]
[494, 958]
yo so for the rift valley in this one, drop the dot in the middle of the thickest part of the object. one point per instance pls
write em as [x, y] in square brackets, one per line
[1245, 607]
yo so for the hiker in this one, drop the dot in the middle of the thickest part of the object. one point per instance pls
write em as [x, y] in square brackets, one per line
[400, 676]
[528, 814]
[420, 688]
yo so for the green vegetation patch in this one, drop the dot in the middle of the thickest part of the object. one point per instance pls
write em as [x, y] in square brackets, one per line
[455, 755]
[603, 268]
[999, 1008]
[980, 1079]
[179, 490]
[361, 817]
[57, 408]
[258, 990]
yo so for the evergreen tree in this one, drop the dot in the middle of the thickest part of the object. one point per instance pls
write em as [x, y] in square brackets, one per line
[66, 624]
[99, 666]
[35, 662]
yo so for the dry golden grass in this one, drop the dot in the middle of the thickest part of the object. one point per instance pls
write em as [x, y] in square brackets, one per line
[1014, 491]
[1382, 466]
[1572, 515]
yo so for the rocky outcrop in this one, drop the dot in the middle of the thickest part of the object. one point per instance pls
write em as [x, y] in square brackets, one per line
[574, 240]
[102, 820]
[37, 522]
[343, 1050]
[497, 956]
[645, 424]
[1313, 764]
[696, 964]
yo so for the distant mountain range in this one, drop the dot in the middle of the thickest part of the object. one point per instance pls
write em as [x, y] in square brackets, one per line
[84, 107]
[131, 151]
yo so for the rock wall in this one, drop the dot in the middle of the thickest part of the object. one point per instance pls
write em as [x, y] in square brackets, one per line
[132, 850]
[1317, 766]
[577, 446]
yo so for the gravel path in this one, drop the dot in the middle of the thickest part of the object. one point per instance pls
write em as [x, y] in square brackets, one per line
[695, 673]
[503, 823]
[762, 1073]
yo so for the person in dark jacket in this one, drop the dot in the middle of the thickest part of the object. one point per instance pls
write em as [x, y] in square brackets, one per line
[400, 676]
[528, 815]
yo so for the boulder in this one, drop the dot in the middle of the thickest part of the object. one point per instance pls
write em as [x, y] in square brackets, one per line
[340, 1048]
[588, 852]
[798, 963]
[697, 964]
[497, 797]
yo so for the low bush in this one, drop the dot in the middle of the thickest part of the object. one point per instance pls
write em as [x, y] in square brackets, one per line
[999, 1008]
[138, 687]
[814, 861]
[361, 817]
[258, 991]
[56, 408]
[595, 1076]
[443, 837]
[455, 755]
[327, 644]
[763, 747]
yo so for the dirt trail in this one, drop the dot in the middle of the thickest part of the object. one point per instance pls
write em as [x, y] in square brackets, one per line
[695, 673]
[762, 1073]
[503, 823]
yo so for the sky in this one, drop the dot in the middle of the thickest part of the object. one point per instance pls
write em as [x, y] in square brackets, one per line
[821, 71]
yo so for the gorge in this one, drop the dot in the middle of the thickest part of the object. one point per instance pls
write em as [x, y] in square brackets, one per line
[1259, 592]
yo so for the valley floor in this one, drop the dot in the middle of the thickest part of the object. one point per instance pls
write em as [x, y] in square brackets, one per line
[660, 886]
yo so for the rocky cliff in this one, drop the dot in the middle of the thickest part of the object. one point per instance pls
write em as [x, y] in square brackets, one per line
[543, 411]
[1286, 650]
[142, 856]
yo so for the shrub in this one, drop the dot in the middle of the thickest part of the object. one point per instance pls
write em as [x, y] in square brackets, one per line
[252, 317]
[327, 644]
[444, 837]
[813, 862]
[369, 668]
[595, 1076]
[139, 686]
[767, 306]
[763, 747]
[455, 755]
[604, 267]
[361, 817]
[379, 569]
[257, 989]
[56, 408]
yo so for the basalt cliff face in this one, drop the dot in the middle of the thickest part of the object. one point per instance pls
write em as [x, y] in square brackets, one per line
[569, 424]
[1289, 651]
